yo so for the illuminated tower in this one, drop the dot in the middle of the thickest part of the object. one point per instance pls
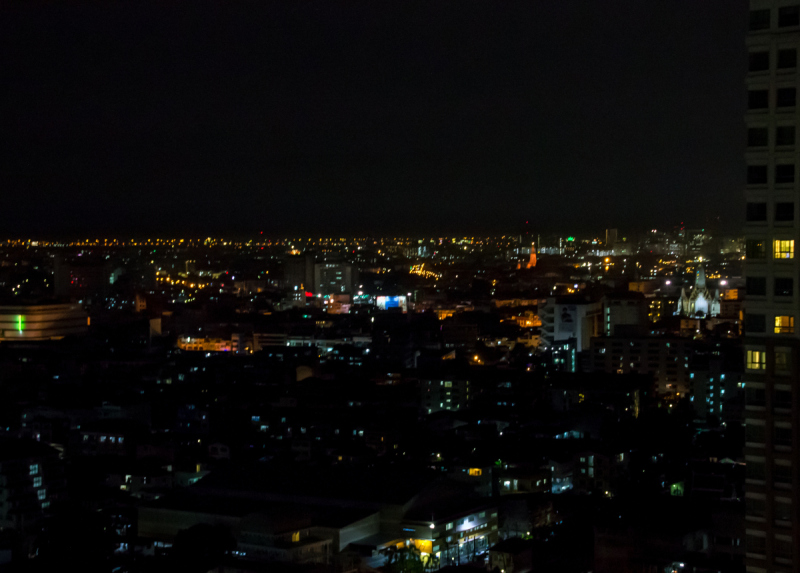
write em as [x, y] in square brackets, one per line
[772, 344]
[531, 262]
[526, 238]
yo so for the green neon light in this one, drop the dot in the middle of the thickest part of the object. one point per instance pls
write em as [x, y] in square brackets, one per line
[19, 323]
[570, 239]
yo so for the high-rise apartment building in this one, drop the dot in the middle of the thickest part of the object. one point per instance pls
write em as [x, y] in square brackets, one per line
[772, 443]
[334, 278]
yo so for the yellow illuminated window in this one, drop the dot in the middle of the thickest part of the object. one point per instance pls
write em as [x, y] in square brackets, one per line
[296, 536]
[783, 249]
[784, 325]
[756, 359]
[475, 471]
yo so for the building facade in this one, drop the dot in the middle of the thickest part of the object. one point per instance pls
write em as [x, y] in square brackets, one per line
[449, 395]
[31, 478]
[772, 345]
[569, 317]
[42, 322]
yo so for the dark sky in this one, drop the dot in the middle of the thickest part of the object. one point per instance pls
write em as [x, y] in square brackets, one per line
[370, 117]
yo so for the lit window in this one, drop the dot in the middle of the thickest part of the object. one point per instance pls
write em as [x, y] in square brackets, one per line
[41, 494]
[784, 325]
[296, 536]
[783, 249]
[33, 469]
[449, 526]
[37, 481]
[475, 471]
[756, 359]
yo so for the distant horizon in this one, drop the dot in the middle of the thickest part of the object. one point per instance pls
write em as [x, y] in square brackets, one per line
[265, 238]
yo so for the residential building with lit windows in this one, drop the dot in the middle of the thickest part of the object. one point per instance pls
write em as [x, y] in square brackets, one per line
[479, 478]
[708, 372]
[524, 480]
[114, 438]
[334, 278]
[31, 479]
[665, 358]
[437, 395]
[204, 344]
[599, 471]
[623, 309]
[660, 307]
[570, 317]
[772, 344]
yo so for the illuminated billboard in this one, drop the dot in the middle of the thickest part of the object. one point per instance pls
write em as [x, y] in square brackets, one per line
[387, 302]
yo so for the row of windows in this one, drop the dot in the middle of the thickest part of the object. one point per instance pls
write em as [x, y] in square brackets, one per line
[761, 19]
[651, 345]
[781, 286]
[759, 174]
[757, 433]
[780, 473]
[757, 212]
[781, 547]
[782, 510]
[757, 360]
[636, 351]
[781, 249]
[104, 439]
[758, 396]
[760, 61]
[758, 136]
[759, 98]
[757, 324]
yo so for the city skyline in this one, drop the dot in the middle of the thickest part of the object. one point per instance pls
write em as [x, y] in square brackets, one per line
[400, 287]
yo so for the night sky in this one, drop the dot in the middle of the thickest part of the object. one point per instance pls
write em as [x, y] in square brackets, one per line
[384, 117]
